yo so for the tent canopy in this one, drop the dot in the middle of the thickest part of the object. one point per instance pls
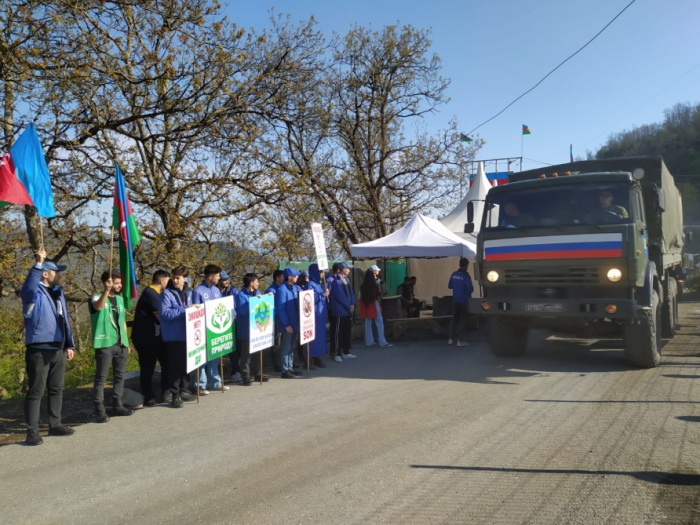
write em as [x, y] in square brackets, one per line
[420, 237]
[457, 218]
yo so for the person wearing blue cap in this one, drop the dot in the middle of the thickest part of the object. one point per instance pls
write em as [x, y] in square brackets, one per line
[343, 306]
[49, 344]
[224, 285]
[287, 321]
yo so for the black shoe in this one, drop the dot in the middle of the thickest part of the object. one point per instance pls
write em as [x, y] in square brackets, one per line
[277, 368]
[120, 410]
[61, 430]
[265, 378]
[33, 438]
[176, 402]
[298, 374]
[100, 413]
[185, 396]
[246, 381]
[319, 362]
[168, 397]
[288, 375]
[151, 403]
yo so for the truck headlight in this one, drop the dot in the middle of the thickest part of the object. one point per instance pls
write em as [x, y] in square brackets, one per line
[492, 276]
[614, 275]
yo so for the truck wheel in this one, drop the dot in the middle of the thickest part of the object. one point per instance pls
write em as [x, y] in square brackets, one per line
[507, 336]
[642, 336]
[669, 316]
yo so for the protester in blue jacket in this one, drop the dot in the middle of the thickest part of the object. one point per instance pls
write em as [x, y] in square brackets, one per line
[277, 281]
[287, 321]
[171, 308]
[343, 305]
[49, 343]
[462, 289]
[209, 375]
[249, 290]
[318, 347]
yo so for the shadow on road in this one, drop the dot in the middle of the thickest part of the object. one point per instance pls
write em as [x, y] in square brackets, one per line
[661, 478]
[689, 419]
[631, 401]
[682, 376]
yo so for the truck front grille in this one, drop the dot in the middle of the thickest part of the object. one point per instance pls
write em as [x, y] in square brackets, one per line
[550, 276]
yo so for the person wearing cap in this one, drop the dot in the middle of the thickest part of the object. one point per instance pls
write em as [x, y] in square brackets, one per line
[370, 308]
[148, 341]
[111, 343]
[277, 281]
[247, 364]
[318, 347]
[224, 285]
[335, 270]
[462, 289]
[49, 344]
[287, 321]
[343, 305]
[209, 375]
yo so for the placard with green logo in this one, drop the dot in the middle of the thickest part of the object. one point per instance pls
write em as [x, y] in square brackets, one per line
[221, 330]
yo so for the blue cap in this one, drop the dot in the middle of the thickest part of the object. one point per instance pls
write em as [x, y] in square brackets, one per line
[224, 276]
[50, 265]
[345, 266]
[290, 271]
[304, 273]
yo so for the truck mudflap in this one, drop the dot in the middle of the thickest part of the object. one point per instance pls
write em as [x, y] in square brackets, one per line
[583, 308]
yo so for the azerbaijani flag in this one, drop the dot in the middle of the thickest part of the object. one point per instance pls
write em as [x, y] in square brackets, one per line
[526, 130]
[465, 138]
[129, 236]
[24, 175]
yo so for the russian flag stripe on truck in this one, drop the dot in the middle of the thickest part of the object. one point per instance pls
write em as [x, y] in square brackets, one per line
[591, 246]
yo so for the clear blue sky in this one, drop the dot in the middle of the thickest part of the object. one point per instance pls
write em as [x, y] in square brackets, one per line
[494, 50]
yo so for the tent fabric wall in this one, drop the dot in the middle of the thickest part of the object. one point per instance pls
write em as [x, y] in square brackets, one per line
[433, 275]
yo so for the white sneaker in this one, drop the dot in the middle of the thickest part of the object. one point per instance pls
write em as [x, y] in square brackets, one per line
[338, 359]
[349, 356]
[226, 387]
[387, 345]
[462, 343]
[203, 392]
[450, 342]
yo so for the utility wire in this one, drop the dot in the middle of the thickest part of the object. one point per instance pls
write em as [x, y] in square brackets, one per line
[553, 70]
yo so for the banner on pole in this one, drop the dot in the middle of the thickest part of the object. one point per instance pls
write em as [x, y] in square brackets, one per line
[221, 330]
[262, 323]
[195, 332]
[320, 246]
[307, 318]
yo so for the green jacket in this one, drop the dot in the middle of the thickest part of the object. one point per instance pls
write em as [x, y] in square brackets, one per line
[104, 331]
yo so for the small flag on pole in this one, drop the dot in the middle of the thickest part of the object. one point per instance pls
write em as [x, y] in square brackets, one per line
[24, 175]
[465, 138]
[571, 152]
[129, 236]
[526, 130]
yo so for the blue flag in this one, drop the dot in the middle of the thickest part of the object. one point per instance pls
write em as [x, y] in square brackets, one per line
[32, 171]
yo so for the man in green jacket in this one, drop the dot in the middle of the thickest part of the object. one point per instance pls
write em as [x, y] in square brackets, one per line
[111, 344]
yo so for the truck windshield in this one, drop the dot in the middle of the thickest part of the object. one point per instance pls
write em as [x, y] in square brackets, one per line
[561, 206]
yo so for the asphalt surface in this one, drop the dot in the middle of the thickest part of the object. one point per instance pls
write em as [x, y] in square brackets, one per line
[419, 433]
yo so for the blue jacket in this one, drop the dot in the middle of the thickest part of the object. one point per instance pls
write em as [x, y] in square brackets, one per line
[242, 301]
[320, 302]
[461, 286]
[45, 321]
[172, 314]
[273, 288]
[340, 304]
[287, 307]
[205, 293]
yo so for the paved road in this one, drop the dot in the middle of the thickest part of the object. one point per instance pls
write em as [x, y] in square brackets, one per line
[420, 433]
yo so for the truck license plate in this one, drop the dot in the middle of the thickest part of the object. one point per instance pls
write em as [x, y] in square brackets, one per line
[556, 307]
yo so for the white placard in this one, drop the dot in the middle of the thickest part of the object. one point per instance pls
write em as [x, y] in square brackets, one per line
[262, 323]
[196, 337]
[307, 317]
[320, 245]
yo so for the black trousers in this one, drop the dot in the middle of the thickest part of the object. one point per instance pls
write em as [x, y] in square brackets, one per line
[248, 363]
[333, 331]
[458, 325]
[343, 331]
[178, 378]
[117, 356]
[45, 368]
[149, 353]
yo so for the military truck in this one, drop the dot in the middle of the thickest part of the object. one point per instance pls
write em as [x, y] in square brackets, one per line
[585, 248]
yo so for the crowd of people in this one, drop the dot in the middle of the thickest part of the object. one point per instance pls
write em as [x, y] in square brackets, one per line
[159, 333]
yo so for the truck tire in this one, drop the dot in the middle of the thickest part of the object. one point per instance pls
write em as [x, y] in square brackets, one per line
[642, 336]
[669, 310]
[507, 337]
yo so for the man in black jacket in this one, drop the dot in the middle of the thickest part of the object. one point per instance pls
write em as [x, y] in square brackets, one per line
[147, 339]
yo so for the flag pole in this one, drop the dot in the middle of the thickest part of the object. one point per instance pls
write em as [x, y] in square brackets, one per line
[522, 141]
[111, 251]
[41, 233]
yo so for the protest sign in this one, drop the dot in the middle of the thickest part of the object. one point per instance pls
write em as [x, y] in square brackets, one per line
[320, 245]
[195, 332]
[262, 323]
[221, 331]
[307, 319]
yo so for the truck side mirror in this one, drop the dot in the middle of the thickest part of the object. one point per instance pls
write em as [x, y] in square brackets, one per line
[470, 212]
[661, 199]
[469, 227]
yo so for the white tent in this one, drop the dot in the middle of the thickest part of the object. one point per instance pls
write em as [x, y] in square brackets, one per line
[419, 237]
[433, 275]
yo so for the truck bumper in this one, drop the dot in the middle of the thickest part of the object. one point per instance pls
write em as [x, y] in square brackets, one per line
[581, 308]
